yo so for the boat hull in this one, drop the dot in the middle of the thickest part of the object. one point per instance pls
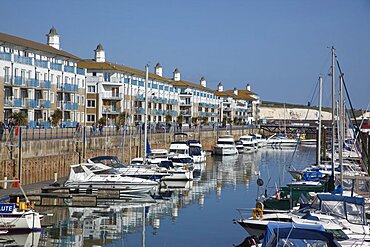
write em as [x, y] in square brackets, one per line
[225, 151]
[20, 222]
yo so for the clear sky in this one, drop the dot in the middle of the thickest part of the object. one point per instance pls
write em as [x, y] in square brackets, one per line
[279, 47]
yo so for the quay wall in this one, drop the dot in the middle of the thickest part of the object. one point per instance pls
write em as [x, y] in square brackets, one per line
[41, 159]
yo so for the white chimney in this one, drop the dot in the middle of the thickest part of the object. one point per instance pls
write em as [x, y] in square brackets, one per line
[53, 38]
[235, 91]
[158, 70]
[220, 87]
[248, 87]
[176, 75]
[203, 82]
[99, 54]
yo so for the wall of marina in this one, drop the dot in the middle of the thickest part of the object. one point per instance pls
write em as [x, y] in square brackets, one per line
[41, 159]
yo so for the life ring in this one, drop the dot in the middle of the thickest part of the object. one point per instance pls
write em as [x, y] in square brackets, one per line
[257, 212]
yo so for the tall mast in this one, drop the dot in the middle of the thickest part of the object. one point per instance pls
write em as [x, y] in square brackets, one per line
[146, 111]
[341, 128]
[331, 185]
[319, 130]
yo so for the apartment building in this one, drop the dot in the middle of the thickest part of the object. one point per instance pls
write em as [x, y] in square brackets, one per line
[36, 79]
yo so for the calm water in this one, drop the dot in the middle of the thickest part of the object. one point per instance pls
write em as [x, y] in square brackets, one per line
[197, 213]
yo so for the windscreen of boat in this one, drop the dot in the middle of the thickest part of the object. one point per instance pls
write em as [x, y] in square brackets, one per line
[225, 142]
[106, 172]
[111, 161]
[194, 151]
[338, 234]
[355, 213]
[182, 160]
[178, 151]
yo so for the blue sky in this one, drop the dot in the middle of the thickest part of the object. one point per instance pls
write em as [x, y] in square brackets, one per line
[279, 47]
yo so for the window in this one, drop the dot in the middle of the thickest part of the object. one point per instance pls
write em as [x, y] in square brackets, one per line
[52, 98]
[90, 103]
[78, 99]
[83, 83]
[91, 89]
[52, 77]
[83, 100]
[90, 117]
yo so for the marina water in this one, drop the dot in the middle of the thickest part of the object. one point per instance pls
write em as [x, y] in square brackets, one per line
[196, 213]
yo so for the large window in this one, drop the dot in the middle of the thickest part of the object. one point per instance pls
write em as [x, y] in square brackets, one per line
[91, 103]
[90, 117]
[91, 89]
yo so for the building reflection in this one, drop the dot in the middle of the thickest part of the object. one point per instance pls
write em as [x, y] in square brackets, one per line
[113, 220]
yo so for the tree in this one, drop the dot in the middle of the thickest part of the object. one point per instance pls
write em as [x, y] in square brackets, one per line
[168, 119]
[204, 120]
[229, 121]
[20, 118]
[194, 120]
[102, 121]
[224, 121]
[236, 120]
[180, 119]
[56, 117]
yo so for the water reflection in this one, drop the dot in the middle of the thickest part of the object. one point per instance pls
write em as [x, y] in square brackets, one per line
[114, 222]
[31, 239]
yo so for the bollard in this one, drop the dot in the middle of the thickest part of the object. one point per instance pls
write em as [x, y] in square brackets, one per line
[5, 183]
[16, 183]
[55, 177]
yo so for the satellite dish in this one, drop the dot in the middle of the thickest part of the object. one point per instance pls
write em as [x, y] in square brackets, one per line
[259, 182]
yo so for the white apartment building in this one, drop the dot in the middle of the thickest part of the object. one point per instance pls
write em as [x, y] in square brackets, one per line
[37, 79]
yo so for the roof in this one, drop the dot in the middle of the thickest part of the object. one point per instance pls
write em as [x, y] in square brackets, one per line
[182, 83]
[32, 45]
[99, 47]
[230, 93]
[91, 64]
[52, 31]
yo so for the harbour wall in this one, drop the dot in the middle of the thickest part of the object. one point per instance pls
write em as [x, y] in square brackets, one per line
[43, 160]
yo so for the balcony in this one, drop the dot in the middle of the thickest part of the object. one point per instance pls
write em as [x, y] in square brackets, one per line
[172, 102]
[69, 106]
[173, 113]
[139, 110]
[139, 97]
[185, 94]
[9, 102]
[5, 56]
[227, 109]
[32, 83]
[70, 69]
[56, 66]
[23, 60]
[44, 104]
[185, 113]
[30, 103]
[40, 63]
[70, 87]
[19, 81]
[45, 84]
[80, 71]
[184, 103]
[111, 110]
[111, 95]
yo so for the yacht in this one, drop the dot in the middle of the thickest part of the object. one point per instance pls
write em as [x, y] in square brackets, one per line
[156, 156]
[140, 171]
[239, 146]
[99, 176]
[261, 142]
[196, 151]
[281, 141]
[249, 142]
[176, 173]
[225, 146]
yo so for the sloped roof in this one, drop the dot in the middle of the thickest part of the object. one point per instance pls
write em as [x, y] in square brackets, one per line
[241, 94]
[91, 64]
[182, 83]
[32, 45]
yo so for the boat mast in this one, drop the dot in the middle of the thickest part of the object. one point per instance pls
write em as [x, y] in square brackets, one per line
[341, 128]
[331, 184]
[146, 112]
[319, 130]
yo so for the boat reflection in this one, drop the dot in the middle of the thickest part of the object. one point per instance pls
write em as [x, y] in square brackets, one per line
[30, 239]
[112, 220]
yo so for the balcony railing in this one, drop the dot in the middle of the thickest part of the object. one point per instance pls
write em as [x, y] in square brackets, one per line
[111, 95]
[185, 113]
[19, 81]
[44, 103]
[70, 69]
[40, 63]
[56, 66]
[30, 103]
[111, 110]
[227, 109]
[45, 84]
[23, 60]
[139, 110]
[5, 56]
[70, 87]
[139, 97]
[32, 83]
[80, 71]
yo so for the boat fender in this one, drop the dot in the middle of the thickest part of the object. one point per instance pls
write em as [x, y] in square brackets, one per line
[257, 212]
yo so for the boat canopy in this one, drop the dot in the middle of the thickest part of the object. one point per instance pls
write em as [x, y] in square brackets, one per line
[333, 197]
[292, 234]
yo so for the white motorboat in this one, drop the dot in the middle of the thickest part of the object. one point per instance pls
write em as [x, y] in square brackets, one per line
[99, 176]
[140, 171]
[239, 145]
[196, 151]
[156, 156]
[225, 146]
[176, 173]
[249, 142]
[20, 217]
[261, 142]
[281, 141]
